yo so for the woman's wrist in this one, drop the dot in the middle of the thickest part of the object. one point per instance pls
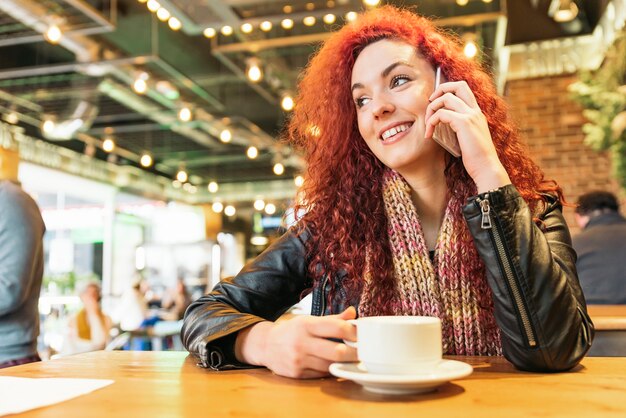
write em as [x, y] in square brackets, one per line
[250, 343]
[491, 179]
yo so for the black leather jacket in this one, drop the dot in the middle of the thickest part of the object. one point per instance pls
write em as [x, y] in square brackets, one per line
[539, 305]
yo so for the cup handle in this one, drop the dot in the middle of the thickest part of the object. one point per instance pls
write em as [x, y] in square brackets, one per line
[352, 344]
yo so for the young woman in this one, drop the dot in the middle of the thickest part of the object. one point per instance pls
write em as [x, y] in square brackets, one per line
[395, 225]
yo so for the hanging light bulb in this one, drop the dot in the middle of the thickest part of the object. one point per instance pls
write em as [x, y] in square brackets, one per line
[12, 117]
[309, 21]
[48, 126]
[299, 181]
[184, 114]
[287, 9]
[462, 2]
[287, 103]
[279, 169]
[329, 18]
[259, 204]
[163, 14]
[174, 23]
[146, 160]
[182, 176]
[153, 5]
[246, 28]
[371, 3]
[53, 34]
[254, 72]
[226, 136]
[252, 152]
[108, 145]
[270, 209]
[351, 16]
[213, 187]
[470, 50]
[209, 32]
[563, 11]
[217, 207]
[230, 210]
[226, 30]
[287, 23]
[266, 26]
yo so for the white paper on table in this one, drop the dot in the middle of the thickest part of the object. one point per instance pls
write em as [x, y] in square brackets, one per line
[19, 394]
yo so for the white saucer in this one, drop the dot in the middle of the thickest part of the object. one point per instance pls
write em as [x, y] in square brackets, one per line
[402, 384]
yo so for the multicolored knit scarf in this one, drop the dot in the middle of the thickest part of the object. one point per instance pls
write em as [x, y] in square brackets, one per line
[453, 287]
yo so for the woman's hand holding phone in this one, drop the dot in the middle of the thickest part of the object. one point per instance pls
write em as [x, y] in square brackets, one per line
[453, 105]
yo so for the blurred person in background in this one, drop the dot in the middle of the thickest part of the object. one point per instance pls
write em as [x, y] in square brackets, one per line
[175, 302]
[89, 328]
[601, 248]
[133, 308]
[21, 266]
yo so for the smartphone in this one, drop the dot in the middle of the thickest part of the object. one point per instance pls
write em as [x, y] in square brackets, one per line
[443, 133]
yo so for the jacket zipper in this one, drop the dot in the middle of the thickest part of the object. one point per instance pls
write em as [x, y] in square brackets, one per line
[323, 295]
[509, 272]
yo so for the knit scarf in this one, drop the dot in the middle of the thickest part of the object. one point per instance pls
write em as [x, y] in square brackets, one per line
[453, 288]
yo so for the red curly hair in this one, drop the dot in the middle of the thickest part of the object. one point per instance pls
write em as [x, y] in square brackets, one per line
[343, 201]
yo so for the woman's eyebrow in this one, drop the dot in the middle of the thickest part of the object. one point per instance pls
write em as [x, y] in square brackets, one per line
[384, 73]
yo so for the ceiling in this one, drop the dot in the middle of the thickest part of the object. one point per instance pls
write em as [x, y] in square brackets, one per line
[107, 44]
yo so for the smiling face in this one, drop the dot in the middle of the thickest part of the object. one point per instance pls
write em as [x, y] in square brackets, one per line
[391, 84]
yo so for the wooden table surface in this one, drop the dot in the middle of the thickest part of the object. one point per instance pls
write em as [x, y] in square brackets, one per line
[608, 317]
[169, 384]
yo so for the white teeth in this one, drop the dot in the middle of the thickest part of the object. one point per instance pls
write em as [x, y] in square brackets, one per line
[396, 129]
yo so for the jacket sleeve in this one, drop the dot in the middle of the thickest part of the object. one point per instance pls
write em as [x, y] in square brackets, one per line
[263, 290]
[531, 269]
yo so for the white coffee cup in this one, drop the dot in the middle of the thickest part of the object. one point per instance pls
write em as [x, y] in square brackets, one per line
[398, 344]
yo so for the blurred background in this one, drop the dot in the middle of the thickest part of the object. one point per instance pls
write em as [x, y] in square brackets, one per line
[149, 131]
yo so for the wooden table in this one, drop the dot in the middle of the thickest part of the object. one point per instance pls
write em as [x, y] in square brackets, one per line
[608, 317]
[169, 384]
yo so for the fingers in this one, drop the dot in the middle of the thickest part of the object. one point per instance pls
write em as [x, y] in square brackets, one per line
[330, 327]
[441, 115]
[447, 101]
[459, 89]
[332, 351]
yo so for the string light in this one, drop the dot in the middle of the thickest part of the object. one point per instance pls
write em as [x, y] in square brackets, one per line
[279, 169]
[108, 145]
[371, 3]
[213, 187]
[309, 21]
[184, 114]
[230, 210]
[12, 117]
[462, 2]
[182, 176]
[470, 50]
[351, 16]
[246, 28]
[266, 26]
[226, 30]
[270, 208]
[259, 204]
[153, 5]
[53, 34]
[226, 136]
[48, 126]
[217, 207]
[287, 9]
[163, 14]
[287, 23]
[145, 160]
[252, 152]
[329, 19]
[287, 103]
[299, 181]
[254, 72]
[209, 32]
[174, 23]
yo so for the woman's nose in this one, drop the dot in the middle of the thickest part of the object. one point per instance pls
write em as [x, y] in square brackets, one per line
[383, 107]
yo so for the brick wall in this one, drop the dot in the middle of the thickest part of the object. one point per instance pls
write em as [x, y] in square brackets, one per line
[551, 124]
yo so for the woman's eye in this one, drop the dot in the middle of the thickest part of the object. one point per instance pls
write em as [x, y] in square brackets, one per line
[399, 80]
[361, 101]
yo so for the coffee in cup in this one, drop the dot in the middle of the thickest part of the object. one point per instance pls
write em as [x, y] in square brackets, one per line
[398, 344]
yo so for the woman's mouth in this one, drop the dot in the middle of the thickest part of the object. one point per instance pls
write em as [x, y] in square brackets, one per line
[392, 135]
